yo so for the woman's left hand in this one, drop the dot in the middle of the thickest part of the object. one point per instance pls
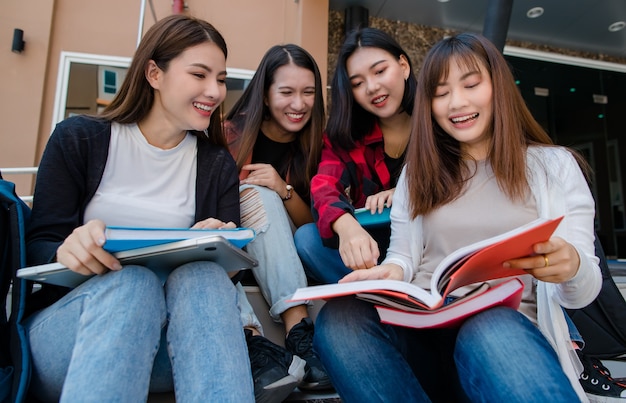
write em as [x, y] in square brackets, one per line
[213, 223]
[377, 202]
[264, 175]
[555, 261]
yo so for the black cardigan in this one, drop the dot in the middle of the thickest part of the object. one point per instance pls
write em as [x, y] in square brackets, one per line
[69, 175]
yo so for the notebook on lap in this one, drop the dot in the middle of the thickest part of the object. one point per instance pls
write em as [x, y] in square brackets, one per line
[160, 258]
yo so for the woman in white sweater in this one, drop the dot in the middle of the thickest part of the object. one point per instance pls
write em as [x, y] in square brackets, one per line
[478, 165]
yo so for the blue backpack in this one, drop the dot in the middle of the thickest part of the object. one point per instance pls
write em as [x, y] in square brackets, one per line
[14, 354]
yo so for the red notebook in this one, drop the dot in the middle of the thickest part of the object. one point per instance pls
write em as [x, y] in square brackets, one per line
[473, 264]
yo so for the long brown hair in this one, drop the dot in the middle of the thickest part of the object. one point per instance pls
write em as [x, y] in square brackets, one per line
[250, 111]
[164, 41]
[435, 170]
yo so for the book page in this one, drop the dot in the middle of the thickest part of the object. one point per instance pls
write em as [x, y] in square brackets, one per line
[483, 260]
[327, 291]
[393, 299]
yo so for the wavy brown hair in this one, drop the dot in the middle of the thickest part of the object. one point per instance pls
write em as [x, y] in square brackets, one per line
[435, 170]
[164, 41]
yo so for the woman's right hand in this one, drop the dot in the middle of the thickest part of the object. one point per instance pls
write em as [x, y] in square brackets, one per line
[82, 250]
[389, 271]
[357, 248]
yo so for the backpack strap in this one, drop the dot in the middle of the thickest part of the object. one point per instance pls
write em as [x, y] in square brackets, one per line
[16, 364]
[603, 322]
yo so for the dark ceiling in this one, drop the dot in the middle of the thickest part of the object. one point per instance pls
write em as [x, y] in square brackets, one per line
[571, 24]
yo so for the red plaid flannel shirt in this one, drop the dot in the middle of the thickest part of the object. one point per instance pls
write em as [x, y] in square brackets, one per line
[344, 179]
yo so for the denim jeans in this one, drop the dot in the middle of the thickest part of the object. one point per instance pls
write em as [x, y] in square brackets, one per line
[280, 270]
[98, 343]
[321, 263]
[574, 334]
[495, 356]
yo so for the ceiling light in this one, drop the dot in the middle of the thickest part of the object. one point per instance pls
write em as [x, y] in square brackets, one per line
[617, 26]
[600, 99]
[534, 12]
[443, 1]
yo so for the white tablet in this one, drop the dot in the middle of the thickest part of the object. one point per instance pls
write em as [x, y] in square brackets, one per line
[162, 259]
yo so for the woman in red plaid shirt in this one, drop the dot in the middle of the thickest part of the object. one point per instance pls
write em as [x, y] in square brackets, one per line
[367, 133]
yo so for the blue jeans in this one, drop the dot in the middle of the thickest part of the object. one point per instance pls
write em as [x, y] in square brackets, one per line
[495, 356]
[280, 270]
[574, 334]
[322, 264]
[99, 342]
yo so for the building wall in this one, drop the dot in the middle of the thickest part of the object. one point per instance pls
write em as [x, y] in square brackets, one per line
[23, 79]
[29, 82]
[111, 28]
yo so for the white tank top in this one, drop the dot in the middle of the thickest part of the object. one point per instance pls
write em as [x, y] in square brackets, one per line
[143, 185]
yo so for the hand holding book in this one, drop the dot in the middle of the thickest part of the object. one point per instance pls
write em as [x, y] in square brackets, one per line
[473, 264]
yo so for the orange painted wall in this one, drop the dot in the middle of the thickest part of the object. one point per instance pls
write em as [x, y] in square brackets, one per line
[29, 80]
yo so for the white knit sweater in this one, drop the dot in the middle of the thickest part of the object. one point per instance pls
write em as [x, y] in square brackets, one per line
[560, 189]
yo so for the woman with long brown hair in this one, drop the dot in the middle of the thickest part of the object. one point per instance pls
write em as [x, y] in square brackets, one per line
[156, 157]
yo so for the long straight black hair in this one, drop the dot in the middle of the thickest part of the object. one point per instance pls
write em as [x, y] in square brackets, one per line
[250, 111]
[347, 120]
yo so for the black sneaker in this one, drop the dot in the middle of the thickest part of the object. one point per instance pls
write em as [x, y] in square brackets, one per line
[300, 342]
[275, 371]
[597, 382]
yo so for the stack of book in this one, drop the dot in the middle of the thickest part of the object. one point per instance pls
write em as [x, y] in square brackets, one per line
[161, 250]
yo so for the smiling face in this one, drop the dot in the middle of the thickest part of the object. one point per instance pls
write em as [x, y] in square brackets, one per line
[463, 107]
[191, 89]
[377, 80]
[290, 101]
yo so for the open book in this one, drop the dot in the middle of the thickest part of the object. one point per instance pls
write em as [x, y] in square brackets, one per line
[127, 238]
[473, 264]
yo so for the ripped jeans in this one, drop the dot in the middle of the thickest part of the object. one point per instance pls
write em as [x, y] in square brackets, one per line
[280, 271]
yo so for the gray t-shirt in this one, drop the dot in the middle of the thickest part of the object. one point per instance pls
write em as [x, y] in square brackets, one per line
[482, 211]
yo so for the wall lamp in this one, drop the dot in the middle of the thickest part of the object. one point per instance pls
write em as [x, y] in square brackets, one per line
[18, 41]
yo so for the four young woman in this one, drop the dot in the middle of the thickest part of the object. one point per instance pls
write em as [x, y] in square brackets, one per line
[472, 139]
